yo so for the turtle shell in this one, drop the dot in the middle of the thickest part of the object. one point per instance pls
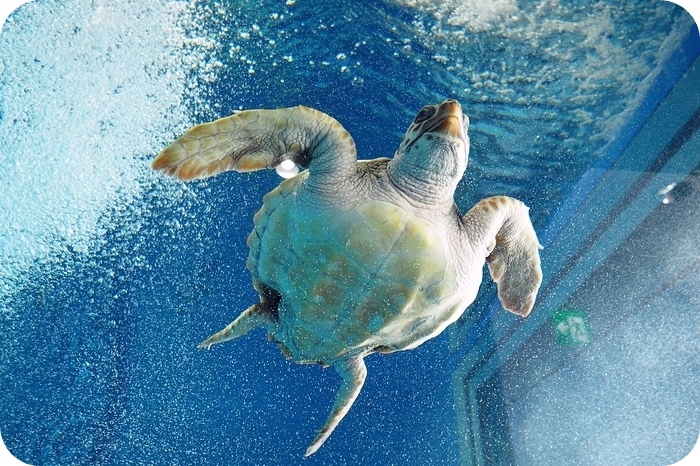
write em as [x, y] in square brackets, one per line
[369, 276]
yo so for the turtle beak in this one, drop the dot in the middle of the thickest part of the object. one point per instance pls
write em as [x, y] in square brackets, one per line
[450, 126]
[450, 120]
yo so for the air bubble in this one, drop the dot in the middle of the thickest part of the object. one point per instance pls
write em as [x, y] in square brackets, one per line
[287, 169]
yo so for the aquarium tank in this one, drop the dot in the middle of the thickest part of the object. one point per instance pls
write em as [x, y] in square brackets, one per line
[111, 274]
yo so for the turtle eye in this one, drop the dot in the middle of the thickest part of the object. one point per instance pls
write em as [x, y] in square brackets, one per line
[424, 114]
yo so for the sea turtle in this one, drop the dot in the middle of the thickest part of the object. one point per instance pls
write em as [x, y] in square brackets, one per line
[355, 257]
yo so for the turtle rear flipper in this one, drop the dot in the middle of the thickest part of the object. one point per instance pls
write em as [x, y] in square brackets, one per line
[249, 319]
[353, 372]
[262, 314]
[502, 225]
[257, 139]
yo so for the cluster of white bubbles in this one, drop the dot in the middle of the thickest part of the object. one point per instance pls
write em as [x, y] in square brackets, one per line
[90, 91]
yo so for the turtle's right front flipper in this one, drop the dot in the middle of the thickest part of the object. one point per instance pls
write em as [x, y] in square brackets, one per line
[257, 139]
[500, 226]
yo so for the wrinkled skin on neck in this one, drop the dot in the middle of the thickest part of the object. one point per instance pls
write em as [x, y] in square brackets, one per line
[433, 155]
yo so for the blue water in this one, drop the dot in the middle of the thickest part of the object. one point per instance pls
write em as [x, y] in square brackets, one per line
[110, 274]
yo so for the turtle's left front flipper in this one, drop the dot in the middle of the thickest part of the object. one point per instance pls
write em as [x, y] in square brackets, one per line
[501, 226]
[353, 372]
[257, 139]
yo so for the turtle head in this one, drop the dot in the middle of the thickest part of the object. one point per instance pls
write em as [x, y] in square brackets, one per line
[433, 154]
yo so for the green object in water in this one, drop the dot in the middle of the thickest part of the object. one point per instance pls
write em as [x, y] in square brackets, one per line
[571, 326]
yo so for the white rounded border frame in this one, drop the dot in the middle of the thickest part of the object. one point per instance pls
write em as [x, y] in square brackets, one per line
[8, 6]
